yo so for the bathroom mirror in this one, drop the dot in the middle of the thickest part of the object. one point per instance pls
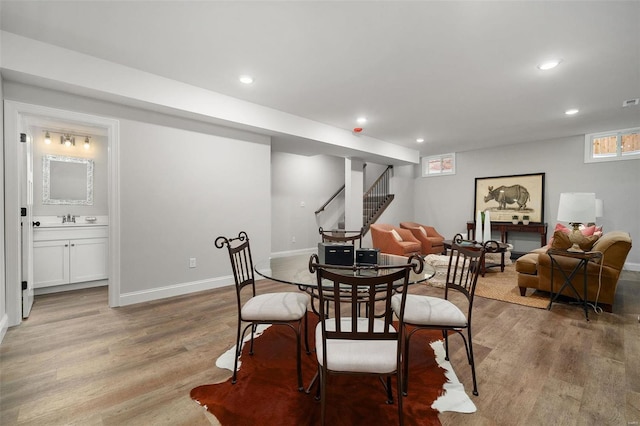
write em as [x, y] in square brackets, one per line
[67, 180]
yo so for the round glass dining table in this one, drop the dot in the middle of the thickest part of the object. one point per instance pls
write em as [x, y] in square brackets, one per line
[294, 269]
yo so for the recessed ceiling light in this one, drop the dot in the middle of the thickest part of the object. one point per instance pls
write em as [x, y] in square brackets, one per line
[420, 140]
[572, 111]
[361, 120]
[547, 65]
[246, 79]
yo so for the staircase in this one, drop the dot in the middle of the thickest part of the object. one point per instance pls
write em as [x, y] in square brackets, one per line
[374, 201]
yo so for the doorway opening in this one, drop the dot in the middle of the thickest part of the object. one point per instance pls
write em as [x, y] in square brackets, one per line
[31, 120]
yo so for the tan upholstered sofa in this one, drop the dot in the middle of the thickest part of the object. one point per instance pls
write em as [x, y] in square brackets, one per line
[430, 239]
[534, 270]
[393, 240]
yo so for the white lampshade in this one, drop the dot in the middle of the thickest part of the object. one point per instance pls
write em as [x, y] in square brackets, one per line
[599, 208]
[577, 207]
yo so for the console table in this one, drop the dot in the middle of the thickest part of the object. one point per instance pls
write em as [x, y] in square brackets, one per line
[504, 228]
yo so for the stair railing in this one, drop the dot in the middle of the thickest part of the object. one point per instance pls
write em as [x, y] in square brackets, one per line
[374, 201]
[376, 198]
[321, 209]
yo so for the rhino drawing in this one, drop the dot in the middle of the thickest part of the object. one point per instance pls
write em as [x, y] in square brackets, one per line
[508, 195]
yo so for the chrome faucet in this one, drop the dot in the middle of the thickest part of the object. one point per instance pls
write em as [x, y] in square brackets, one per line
[68, 218]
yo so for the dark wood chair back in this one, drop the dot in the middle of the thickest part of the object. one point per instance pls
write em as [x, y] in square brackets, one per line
[342, 236]
[465, 264]
[343, 292]
[241, 262]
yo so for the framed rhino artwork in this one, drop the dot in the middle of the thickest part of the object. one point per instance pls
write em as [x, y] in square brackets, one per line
[508, 196]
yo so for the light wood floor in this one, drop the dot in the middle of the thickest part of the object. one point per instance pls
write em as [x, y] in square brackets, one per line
[76, 361]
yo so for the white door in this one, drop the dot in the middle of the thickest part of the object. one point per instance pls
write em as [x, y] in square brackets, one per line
[26, 198]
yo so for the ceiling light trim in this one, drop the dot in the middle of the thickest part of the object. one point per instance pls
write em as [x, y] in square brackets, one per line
[549, 64]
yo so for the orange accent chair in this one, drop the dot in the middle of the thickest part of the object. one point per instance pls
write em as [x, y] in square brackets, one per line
[432, 242]
[393, 240]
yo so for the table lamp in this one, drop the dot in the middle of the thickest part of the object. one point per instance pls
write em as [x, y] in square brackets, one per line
[599, 211]
[577, 208]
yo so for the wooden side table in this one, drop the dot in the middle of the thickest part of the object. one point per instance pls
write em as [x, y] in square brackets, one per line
[583, 259]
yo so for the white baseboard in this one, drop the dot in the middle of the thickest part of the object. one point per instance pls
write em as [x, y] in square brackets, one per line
[629, 266]
[4, 325]
[174, 290]
[292, 252]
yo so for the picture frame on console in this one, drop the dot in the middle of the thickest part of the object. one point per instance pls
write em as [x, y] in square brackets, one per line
[512, 195]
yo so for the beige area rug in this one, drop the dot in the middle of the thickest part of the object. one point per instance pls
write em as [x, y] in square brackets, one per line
[494, 285]
[504, 286]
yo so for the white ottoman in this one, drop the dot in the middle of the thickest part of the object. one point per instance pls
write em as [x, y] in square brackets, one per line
[440, 263]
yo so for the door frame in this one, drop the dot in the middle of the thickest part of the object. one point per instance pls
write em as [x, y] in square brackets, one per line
[14, 112]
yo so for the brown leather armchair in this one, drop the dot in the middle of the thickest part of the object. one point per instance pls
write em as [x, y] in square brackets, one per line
[432, 242]
[384, 239]
[534, 270]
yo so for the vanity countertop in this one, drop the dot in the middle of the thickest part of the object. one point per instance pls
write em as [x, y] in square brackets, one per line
[81, 221]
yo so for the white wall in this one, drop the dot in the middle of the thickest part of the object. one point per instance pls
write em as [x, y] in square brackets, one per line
[183, 183]
[180, 190]
[371, 173]
[300, 179]
[446, 202]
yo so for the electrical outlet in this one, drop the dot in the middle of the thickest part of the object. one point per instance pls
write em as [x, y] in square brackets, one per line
[192, 262]
[302, 204]
[293, 239]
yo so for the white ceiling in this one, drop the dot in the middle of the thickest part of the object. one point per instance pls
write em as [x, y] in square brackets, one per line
[462, 75]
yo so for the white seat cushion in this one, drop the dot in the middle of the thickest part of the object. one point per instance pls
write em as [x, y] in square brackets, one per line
[285, 306]
[360, 356]
[427, 310]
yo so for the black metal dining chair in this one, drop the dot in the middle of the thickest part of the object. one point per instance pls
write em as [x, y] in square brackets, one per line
[435, 313]
[342, 236]
[281, 308]
[348, 342]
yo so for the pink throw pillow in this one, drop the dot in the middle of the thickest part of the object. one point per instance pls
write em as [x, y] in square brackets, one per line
[587, 231]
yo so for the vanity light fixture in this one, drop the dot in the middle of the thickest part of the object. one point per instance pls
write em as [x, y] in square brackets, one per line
[361, 120]
[420, 140]
[572, 111]
[246, 79]
[67, 140]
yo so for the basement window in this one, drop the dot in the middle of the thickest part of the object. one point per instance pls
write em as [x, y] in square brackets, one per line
[612, 146]
[438, 165]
